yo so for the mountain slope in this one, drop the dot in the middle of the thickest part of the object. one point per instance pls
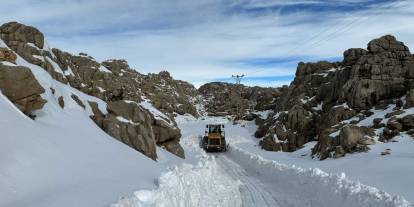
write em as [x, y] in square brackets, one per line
[62, 158]
[113, 81]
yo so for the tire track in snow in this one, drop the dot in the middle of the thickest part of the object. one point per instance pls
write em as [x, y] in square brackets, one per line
[253, 191]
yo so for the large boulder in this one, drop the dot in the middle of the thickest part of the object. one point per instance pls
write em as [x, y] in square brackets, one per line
[22, 88]
[351, 136]
[174, 147]
[387, 43]
[129, 123]
[16, 32]
[268, 143]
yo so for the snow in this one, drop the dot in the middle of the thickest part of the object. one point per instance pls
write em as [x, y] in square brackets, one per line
[104, 69]
[318, 107]
[39, 57]
[263, 114]
[69, 72]
[344, 105]
[390, 173]
[32, 45]
[8, 63]
[323, 183]
[322, 74]
[312, 186]
[200, 185]
[54, 65]
[122, 119]
[101, 89]
[146, 104]
[335, 134]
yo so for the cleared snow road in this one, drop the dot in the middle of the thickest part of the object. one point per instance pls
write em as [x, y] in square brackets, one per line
[253, 191]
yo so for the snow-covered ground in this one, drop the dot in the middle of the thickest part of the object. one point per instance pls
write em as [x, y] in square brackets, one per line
[271, 178]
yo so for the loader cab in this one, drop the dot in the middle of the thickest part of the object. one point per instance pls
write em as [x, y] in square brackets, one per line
[214, 138]
[214, 128]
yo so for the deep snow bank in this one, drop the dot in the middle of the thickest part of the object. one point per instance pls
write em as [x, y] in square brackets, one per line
[313, 187]
[187, 185]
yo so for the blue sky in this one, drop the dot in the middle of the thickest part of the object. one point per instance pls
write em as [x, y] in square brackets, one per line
[209, 40]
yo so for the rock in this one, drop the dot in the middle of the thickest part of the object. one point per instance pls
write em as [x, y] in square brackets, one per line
[339, 152]
[386, 152]
[410, 99]
[407, 122]
[226, 98]
[351, 135]
[269, 144]
[28, 43]
[22, 88]
[97, 116]
[129, 123]
[410, 131]
[394, 113]
[77, 100]
[388, 134]
[337, 114]
[174, 147]
[250, 117]
[386, 43]
[16, 32]
[351, 56]
[7, 55]
[377, 123]
[393, 124]
[366, 140]
[164, 132]
[297, 118]
[61, 102]
[136, 136]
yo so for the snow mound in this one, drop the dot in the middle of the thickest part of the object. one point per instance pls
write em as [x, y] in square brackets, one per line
[201, 185]
[313, 187]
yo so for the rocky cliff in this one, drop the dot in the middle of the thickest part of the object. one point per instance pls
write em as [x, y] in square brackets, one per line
[140, 107]
[345, 106]
[226, 99]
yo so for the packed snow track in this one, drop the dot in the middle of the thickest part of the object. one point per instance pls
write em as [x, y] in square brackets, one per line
[253, 191]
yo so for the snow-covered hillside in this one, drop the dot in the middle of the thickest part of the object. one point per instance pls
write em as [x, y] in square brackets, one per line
[62, 158]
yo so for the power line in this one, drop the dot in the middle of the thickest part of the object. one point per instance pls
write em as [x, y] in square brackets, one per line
[238, 78]
[332, 35]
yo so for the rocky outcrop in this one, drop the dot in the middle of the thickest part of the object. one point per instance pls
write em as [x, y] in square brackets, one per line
[114, 82]
[227, 99]
[327, 100]
[29, 43]
[22, 88]
[129, 123]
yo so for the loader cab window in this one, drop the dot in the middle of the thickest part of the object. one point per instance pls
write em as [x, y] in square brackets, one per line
[215, 129]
